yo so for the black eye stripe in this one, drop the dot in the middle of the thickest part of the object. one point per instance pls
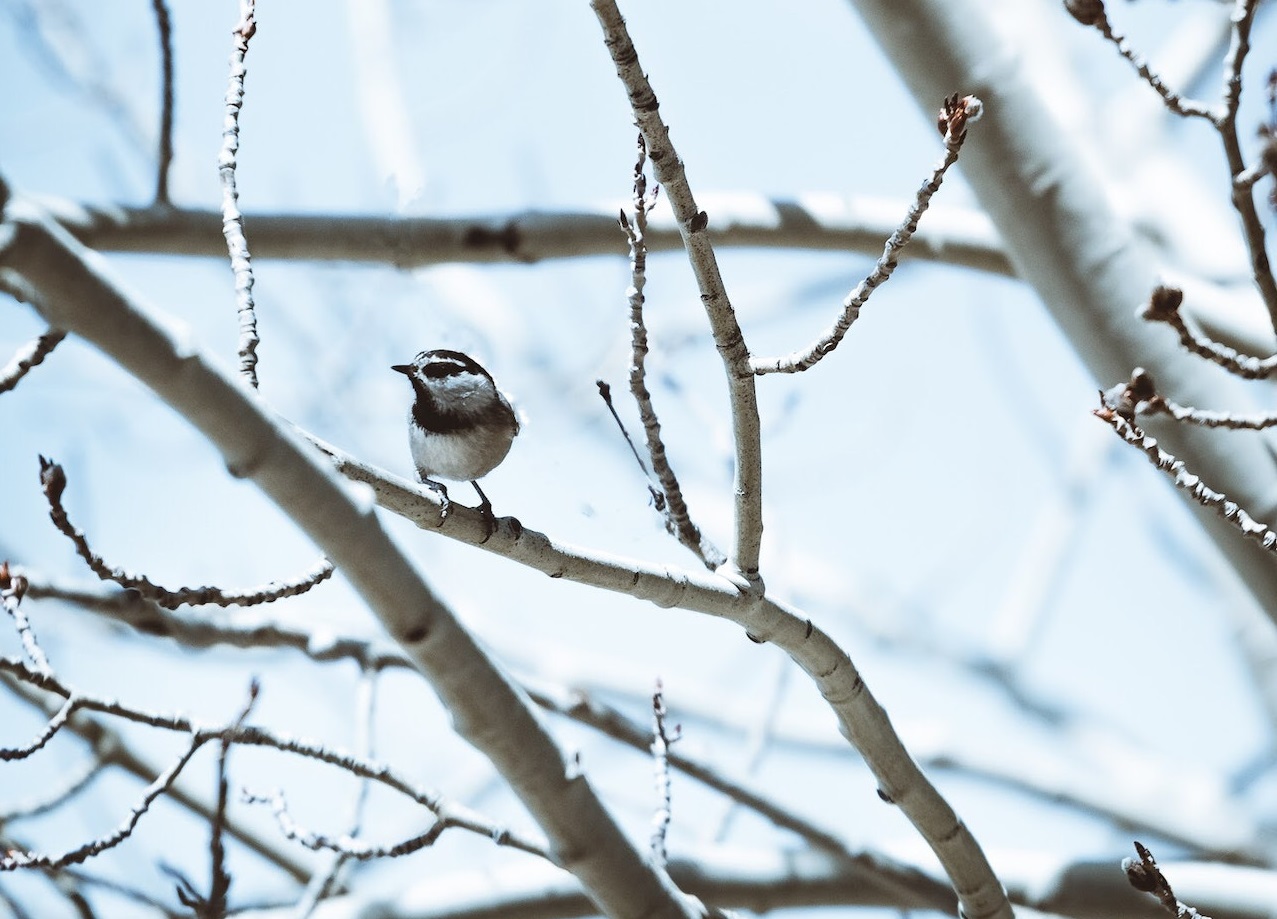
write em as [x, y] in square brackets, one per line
[436, 368]
[442, 363]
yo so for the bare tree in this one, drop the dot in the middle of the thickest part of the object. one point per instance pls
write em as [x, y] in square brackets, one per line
[758, 803]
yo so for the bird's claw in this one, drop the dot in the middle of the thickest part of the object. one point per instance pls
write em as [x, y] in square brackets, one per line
[445, 503]
[485, 508]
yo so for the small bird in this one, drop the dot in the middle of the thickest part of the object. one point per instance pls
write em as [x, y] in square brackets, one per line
[460, 426]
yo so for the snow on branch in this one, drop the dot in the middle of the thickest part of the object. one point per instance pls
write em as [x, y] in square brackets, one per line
[1117, 410]
[1141, 397]
[1164, 306]
[28, 356]
[345, 845]
[232, 219]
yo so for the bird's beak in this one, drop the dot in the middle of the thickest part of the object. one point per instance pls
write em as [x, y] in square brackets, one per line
[402, 368]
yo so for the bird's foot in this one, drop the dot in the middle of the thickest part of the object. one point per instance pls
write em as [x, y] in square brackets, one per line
[445, 503]
[485, 508]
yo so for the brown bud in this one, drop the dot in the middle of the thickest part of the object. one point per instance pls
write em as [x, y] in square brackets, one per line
[1139, 876]
[1087, 12]
[52, 479]
[1163, 303]
[1141, 387]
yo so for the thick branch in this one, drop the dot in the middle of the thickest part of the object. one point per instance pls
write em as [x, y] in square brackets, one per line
[1037, 183]
[487, 709]
[823, 223]
[862, 720]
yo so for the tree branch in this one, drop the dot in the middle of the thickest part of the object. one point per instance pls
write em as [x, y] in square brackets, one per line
[487, 709]
[692, 223]
[816, 222]
[1038, 185]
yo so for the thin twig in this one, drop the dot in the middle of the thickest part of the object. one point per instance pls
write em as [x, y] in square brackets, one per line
[955, 116]
[1163, 306]
[674, 507]
[1183, 478]
[658, 499]
[164, 26]
[347, 846]
[13, 859]
[232, 219]
[251, 735]
[1091, 13]
[194, 631]
[12, 589]
[1142, 397]
[1242, 196]
[660, 749]
[325, 881]
[29, 355]
[62, 791]
[51, 728]
[214, 906]
[728, 338]
[53, 480]
[110, 748]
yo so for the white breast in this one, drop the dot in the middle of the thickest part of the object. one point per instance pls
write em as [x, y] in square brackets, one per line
[461, 457]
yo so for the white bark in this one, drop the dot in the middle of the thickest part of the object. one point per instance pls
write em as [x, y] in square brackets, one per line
[1090, 269]
[77, 294]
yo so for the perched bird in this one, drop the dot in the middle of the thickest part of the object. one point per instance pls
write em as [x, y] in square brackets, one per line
[460, 426]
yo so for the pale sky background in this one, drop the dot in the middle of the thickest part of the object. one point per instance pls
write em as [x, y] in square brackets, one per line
[904, 475]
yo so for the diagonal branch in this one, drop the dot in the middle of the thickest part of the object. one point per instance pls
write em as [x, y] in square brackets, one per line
[28, 356]
[1184, 479]
[111, 749]
[1044, 192]
[15, 859]
[487, 709]
[861, 718]
[728, 338]
[954, 117]
[1091, 13]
